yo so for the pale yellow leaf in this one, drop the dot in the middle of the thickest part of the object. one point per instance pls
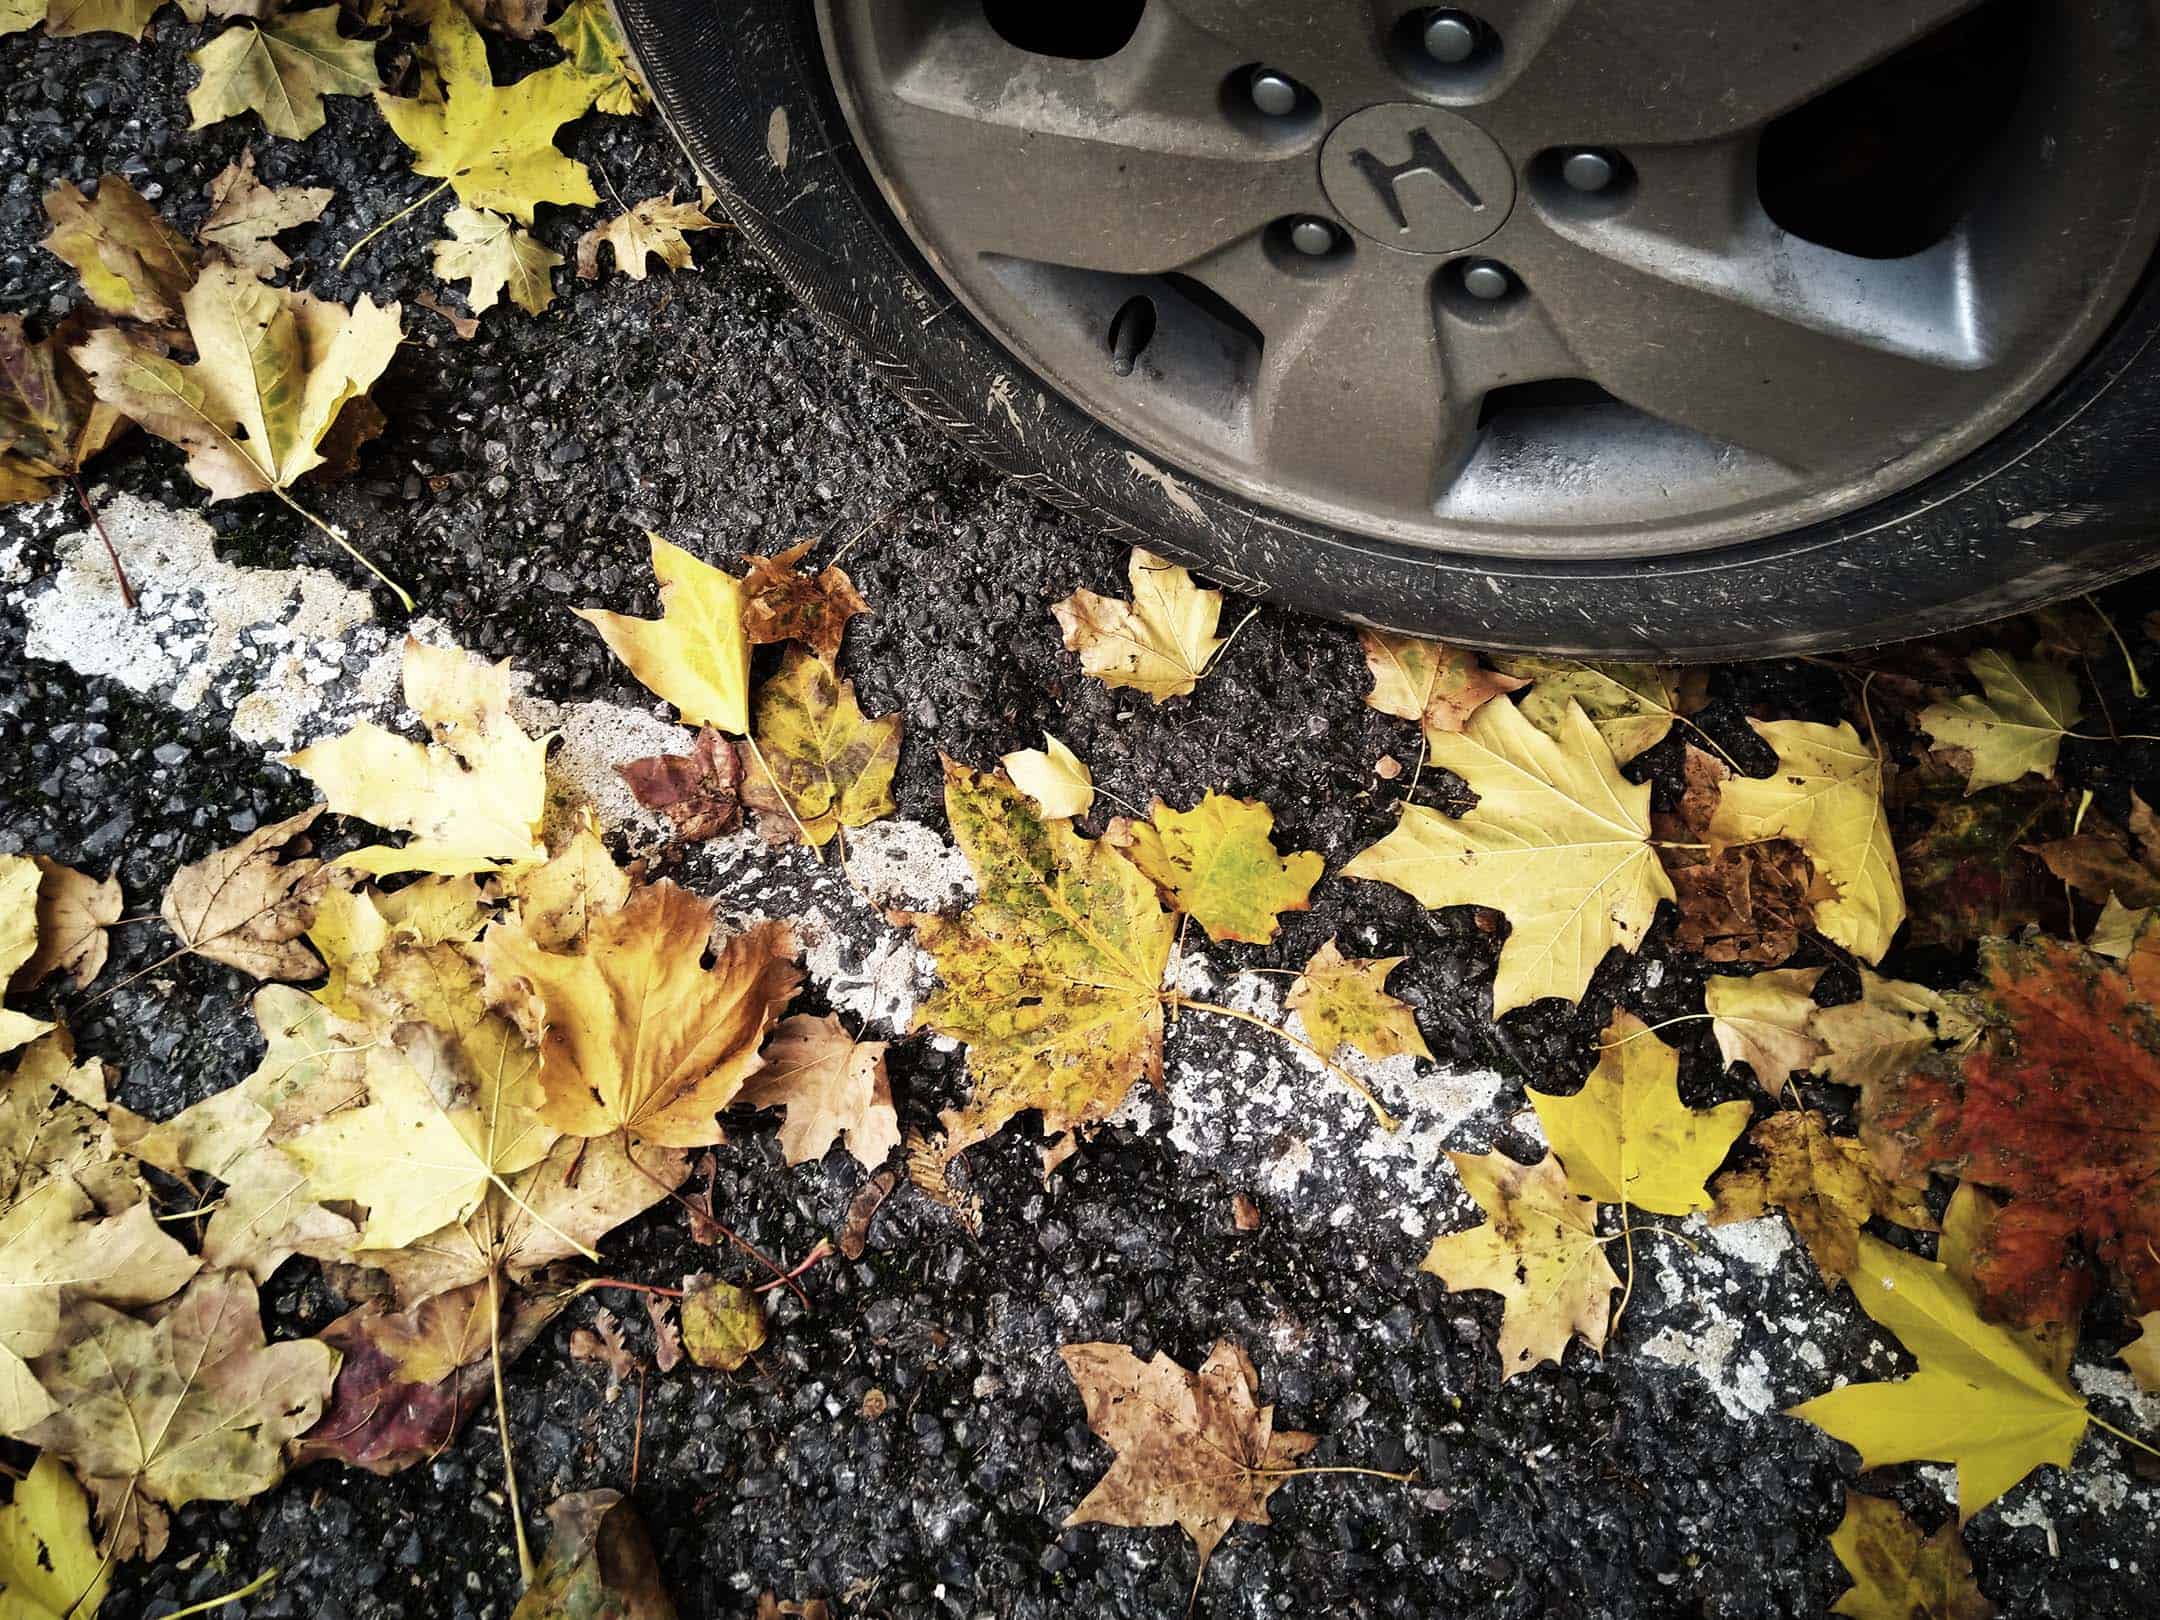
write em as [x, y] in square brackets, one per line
[2015, 726]
[1160, 643]
[1056, 778]
[696, 655]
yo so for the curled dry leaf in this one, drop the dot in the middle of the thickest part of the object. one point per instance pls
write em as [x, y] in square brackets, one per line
[599, 1565]
[281, 69]
[723, 1325]
[73, 912]
[1430, 682]
[1897, 1573]
[824, 765]
[191, 1407]
[2015, 726]
[2105, 862]
[245, 216]
[1539, 1250]
[782, 604]
[1160, 643]
[603, 1343]
[1193, 1449]
[667, 1337]
[652, 229]
[696, 655]
[1828, 1186]
[1558, 841]
[640, 1037]
[247, 907]
[1627, 1138]
[1343, 1001]
[862, 1210]
[1767, 1022]
[489, 254]
[51, 421]
[1217, 862]
[1056, 778]
[130, 262]
[699, 792]
[831, 1085]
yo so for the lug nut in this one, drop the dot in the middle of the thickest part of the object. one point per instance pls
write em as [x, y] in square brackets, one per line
[1313, 237]
[1486, 280]
[1273, 93]
[1587, 171]
[1450, 37]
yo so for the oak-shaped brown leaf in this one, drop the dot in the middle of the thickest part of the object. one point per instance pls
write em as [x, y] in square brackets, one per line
[599, 1565]
[831, 1085]
[699, 792]
[247, 216]
[2057, 1106]
[246, 907]
[1828, 1187]
[780, 603]
[1193, 1449]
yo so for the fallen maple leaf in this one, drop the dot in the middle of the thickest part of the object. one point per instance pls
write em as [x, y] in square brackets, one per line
[1897, 1573]
[73, 912]
[494, 146]
[589, 37]
[831, 1085]
[1744, 903]
[1430, 682]
[1632, 706]
[1192, 1449]
[2142, 1355]
[599, 1565]
[473, 801]
[1891, 1026]
[652, 229]
[1980, 1400]
[246, 907]
[699, 792]
[1056, 778]
[1828, 1186]
[558, 901]
[19, 883]
[192, 1407]
[820, 765]
[246, 215]
[1160, 643]
[129, 261]
[1054, 977]
[2017, 724]
[1826, 796]
[1217, 862]
[696, 655]
[1967, 862]
[1627, 1138]
[49, 1565]
[1766, 1022]
[2105, 862]
[723, 1325]
[2058, 1105]
[51, 421]
[520, 19]
[1558, 840]
[66, 18]
[782, 604]
[281, 69]
[1969, 1224]
[640, 1037]
[490, 253]
[1343, 1001]
[1539, 1250]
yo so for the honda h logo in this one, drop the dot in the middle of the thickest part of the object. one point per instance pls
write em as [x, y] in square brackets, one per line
[1425, 158]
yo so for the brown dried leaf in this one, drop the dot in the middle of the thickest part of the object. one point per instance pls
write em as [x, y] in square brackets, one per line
[73, 912]
[699, 792]
[723, 1325]
[245, 216]
[780, 604]
[1828, 1186]
[130, 262]
[831, 1085]
[599, 1565]
[245, 908]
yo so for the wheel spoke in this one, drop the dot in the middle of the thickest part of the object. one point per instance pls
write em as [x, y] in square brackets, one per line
[1125, 164]
[1650, 71]
[1336, 51]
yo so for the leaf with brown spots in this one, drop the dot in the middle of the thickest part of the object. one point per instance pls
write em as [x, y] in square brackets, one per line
[246, 907]
[130, 262]
[780, 603]
[51, 422]
[698, 792]
[1743, 903]
[1897, 1573]
[1827, 1186]
[1430, 682]
[599, 1566]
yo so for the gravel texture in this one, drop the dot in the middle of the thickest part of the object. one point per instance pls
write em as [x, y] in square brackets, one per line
[514, 481]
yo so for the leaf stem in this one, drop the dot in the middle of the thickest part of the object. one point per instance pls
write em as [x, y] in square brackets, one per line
[2099, 1422]
[1386, 1120]
[1627, 1291]
[781, 794]
[1334, 1468]
[421, 202]
[2137, 681]
[1652, 1029]
[207, 1604]
[591, 1283]
[502, 1429]
[1216, 656]
[97, 522]
[1716, 747]
[334, 532]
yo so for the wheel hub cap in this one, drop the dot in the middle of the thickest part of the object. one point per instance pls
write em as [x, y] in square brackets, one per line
[1417, 179]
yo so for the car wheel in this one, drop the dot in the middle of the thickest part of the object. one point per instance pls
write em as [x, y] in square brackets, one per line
[1640, 329]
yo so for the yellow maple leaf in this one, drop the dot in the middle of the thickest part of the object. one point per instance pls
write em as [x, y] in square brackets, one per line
[1160, 643]
[1980, 1400]
[696, 655]
[2016, 724]
[488, 253]
[473, 800]
[281, 69]
[1627, 1138]
[67, 18]
[1826, 795]
[639, 1035]
[1558, 840]
[19, 883]
[494, 146]
[1897, 1573]
[1766, 1021]
[1538, 1250]
[1828, 1186]
[49, 1563]
[1218, 864]
[128, 259]
[819, 764]
[1054, 977]
[1430, 682]
[589, 37]
[652, 229]
[1343, 1001]
[1055, 777]
[1633, 706]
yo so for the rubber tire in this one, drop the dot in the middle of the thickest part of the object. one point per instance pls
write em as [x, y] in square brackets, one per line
[2065, 501]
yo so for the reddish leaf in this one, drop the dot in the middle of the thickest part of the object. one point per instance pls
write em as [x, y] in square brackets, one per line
[782, 605]
[695, 791]
[2059, 1107]
[1967, 874]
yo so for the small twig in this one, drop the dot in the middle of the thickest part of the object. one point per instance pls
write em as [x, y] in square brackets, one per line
[637, 1435]
[817, 1253]
[207, 1604]
[127, 591]
[502, 1429]
[724, 1229]
[421, 202]
[591, 1283]
[1627, 1290]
